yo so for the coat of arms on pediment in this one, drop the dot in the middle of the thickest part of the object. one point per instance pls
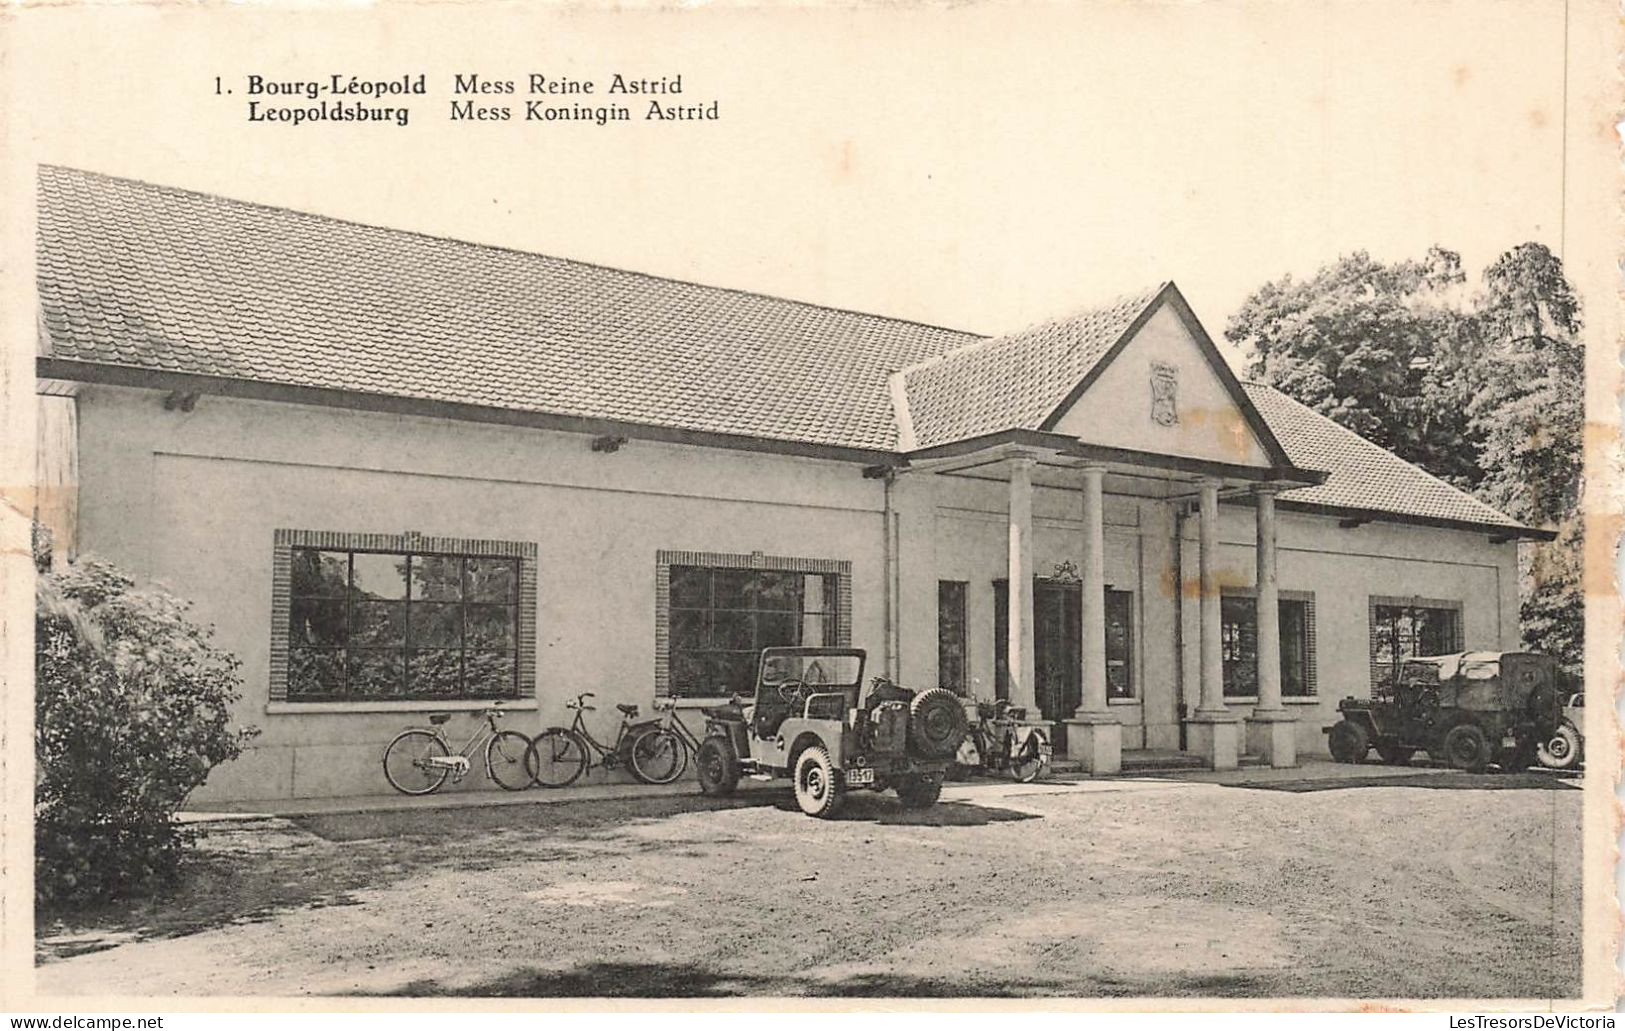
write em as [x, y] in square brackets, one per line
[1164, 394]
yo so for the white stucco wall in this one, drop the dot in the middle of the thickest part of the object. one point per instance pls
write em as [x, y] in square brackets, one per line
[1115, 410]
[194, 498]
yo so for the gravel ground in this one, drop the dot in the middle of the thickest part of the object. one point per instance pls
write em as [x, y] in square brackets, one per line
[1425, 886]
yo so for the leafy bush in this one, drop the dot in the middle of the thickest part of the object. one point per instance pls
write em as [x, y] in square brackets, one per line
[131, 713]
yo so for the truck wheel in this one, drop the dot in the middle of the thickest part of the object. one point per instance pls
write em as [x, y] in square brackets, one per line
[818, 788]
[1395, 755]
[919, 792]
[717, 766]
[1562, 750]
[1466, 748]
[936, 724]
[1348, 742]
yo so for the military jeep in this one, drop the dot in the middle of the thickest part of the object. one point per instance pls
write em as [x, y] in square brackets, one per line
[812, 721]
[1468, 709]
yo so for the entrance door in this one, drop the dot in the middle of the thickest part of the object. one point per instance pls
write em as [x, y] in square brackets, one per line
[1057, 649]
[1057, 645]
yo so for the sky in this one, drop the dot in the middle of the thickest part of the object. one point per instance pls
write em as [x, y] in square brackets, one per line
[980, 167]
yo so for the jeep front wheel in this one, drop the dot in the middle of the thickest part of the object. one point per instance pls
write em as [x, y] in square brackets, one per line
[818, 789]
[718, 768]
[919, 792]
[1348, 742]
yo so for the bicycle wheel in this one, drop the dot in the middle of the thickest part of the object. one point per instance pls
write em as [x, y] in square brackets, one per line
[559, 757]
[408, 766]
[658, 757]
[509, 760]
[1029, 758]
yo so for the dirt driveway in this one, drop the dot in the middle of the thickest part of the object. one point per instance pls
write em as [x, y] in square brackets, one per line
[1425, 885]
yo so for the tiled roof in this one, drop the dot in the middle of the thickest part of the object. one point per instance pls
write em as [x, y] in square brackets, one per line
[1016, 380]
[1362, 475]
[158, 278]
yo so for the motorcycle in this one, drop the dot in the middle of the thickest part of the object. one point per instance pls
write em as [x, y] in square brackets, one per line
[1002, 742]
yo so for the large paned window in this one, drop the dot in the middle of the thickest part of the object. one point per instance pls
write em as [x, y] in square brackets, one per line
[1401, 629]
[951, 635]
[720, 618]
[398, 625]
[1238, 638]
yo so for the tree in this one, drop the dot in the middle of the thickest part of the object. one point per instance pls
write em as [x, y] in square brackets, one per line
[131, 713]
[1356, 342]
[1485, 392]
[1528, 409]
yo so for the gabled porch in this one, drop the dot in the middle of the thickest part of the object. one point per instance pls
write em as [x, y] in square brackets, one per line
[1087, 704]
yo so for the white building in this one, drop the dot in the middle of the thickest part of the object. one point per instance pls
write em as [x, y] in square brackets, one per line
[402, 474]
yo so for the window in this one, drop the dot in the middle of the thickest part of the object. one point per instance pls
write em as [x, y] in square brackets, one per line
[951, 635]
[396, 625]
[1401, 628]
[1119, 644]
[1238, 637]
[717, 612]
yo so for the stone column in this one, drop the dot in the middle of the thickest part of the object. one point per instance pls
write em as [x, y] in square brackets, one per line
[1093, 735]
[1270, 729]
[1213, 731]
[1023, 690]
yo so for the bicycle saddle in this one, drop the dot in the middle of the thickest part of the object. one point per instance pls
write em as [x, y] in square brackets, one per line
[629, 710]
[440, 717]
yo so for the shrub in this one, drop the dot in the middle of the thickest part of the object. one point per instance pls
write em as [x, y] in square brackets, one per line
[131, 713]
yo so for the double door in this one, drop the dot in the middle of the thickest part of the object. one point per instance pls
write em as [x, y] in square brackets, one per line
[1058, 645]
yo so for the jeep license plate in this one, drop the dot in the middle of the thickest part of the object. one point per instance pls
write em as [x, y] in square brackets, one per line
[860, 775]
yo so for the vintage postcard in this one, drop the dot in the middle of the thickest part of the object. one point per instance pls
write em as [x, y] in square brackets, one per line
[1107, 505]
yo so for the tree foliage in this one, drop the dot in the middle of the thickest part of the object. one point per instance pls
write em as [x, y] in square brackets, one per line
[131, 713]
[1483, 389]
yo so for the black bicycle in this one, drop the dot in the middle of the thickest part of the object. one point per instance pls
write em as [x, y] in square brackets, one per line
[560, 755]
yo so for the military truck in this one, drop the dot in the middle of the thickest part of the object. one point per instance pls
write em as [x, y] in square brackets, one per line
[811, 720]
[1468, 709]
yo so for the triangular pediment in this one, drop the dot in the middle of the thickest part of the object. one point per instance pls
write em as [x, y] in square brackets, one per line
[1165, 389]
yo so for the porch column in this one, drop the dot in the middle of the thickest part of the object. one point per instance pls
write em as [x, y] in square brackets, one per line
[1213, 731]
[1270, 730]
[1020, 644]
[1093, 735]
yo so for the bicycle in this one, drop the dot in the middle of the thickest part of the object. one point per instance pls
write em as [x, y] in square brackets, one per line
[420, 759]
[559, 755]
[1005, 744]
[671, 721]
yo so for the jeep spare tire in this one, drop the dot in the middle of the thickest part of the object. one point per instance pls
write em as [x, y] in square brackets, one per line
[936, 724]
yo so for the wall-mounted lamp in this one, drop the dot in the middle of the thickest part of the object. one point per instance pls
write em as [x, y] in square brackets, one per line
[608, 443]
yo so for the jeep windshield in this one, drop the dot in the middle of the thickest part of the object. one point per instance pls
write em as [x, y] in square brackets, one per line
[835, 671]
